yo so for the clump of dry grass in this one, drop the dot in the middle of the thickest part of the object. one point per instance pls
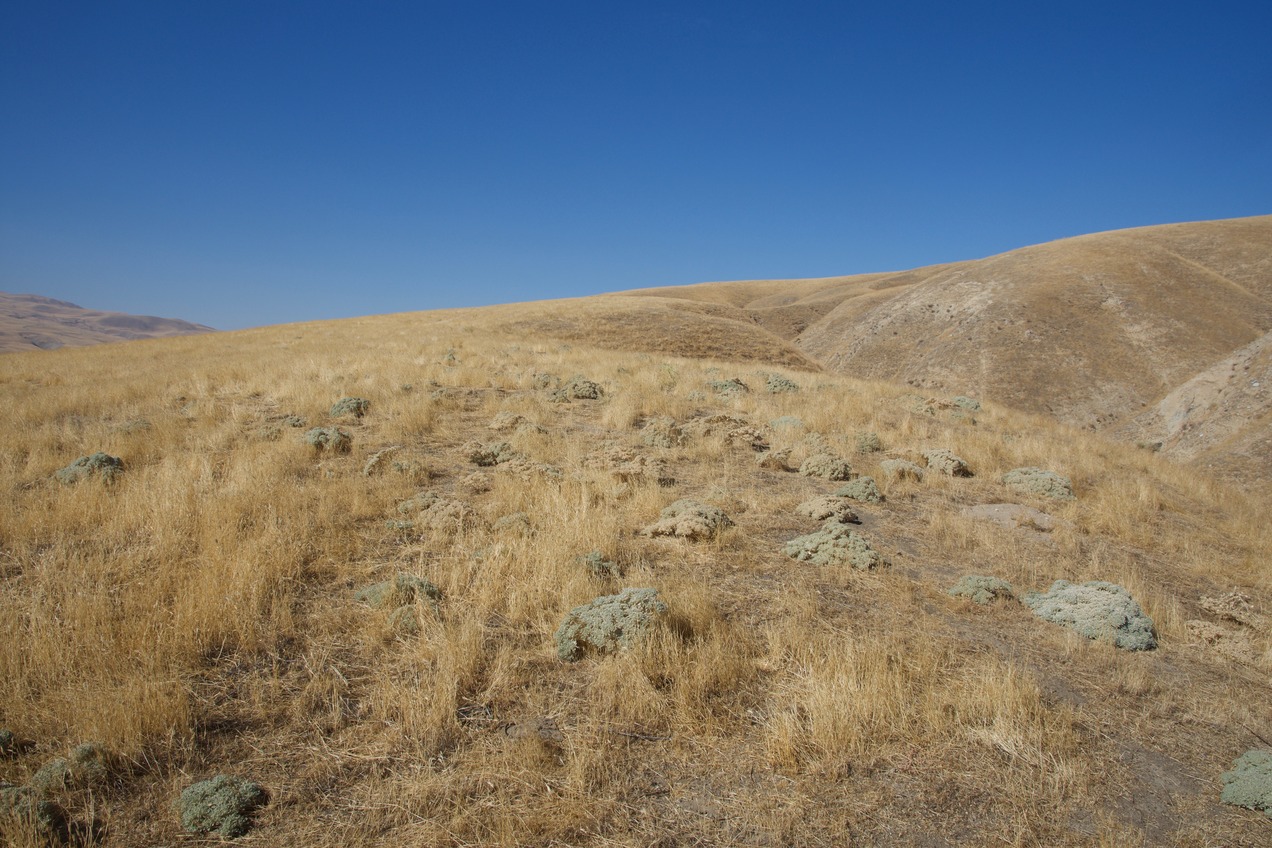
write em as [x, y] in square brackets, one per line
[200, 611]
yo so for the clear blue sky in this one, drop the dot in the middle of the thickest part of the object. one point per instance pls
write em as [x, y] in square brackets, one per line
[257, 162]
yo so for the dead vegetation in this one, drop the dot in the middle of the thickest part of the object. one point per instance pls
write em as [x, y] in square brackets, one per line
[200, 614]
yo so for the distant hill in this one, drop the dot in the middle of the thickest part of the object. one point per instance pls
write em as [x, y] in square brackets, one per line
[1121, 331]
[31, 322]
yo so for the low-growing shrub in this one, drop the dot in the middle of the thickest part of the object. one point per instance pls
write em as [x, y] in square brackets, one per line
[1036, 481]
[862, 489]
[355, 406]
[608, 624]
[1097, 610]
[834, 544]
[102, 465]
[982, 589]
[689, 519]
[224, 804]
[329, 439]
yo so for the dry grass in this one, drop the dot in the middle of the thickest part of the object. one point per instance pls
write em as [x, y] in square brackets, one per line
[197, 616]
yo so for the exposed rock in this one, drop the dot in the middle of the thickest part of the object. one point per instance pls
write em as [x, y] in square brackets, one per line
[689, 519]
[1014, 516]
[981, 589]
[355, 406]
[1097, 610]
[608, 624]
[901, 469]
[1249, 783]
[826, 507]
[862, 489]
[834, 544]
[946, 462]
[1036, 481]
[224, 804]
[105, 467]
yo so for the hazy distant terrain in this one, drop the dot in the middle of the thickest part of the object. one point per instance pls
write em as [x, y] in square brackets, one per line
[32, 322]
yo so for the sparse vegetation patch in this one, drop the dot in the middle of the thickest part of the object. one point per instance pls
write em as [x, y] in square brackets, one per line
[1036, 481]
[946, 462]
[577, 388]
[776, 384]
[827, 466]
[834, 544]
[355, 406]
[820, 509]
[901, 469]
[224, 805]
[608, 624]
[982, 589]
[1097, 610]
[862, 489]
[329, 439]
[102, 465]
[1249, 783]
[689, 519]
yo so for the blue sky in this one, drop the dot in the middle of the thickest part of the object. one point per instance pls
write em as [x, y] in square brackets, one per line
[247, 163]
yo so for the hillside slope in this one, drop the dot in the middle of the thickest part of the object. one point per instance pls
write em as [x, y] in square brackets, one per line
[1093, 331]
[32, 322]
[373, 635]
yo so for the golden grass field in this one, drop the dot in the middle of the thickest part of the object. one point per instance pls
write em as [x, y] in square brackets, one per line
[197, 617]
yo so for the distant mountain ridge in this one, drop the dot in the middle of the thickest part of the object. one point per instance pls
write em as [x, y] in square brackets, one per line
[34, 322]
